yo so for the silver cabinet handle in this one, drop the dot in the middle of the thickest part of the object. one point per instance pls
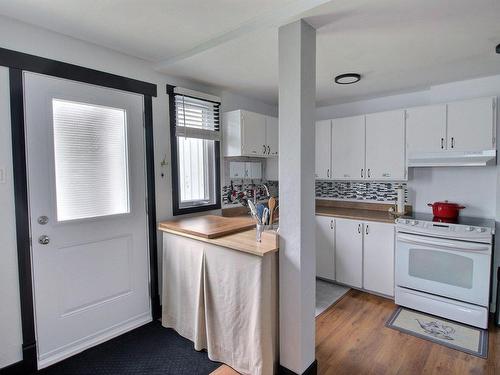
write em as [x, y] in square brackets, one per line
[43, 239]
[442, 143]
[264, 149]
[369, 174]
[328, 173]
[452, 142]
[366, 229]
[331, 224]
[362, 172]
[268, 150]
[359, 228]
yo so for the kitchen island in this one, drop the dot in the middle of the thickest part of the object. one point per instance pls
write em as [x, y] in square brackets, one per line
[221, 292]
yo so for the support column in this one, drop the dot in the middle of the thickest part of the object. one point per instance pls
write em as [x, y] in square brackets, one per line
[297, 93]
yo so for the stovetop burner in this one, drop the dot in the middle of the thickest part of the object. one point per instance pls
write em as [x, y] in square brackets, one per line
[461, 220]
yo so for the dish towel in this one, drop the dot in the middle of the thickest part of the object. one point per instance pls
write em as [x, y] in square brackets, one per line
[223, 300]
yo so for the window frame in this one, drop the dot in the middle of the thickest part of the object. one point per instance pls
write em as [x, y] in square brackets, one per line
[176, 203]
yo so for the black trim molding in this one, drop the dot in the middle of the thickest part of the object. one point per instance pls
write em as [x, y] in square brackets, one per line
[19, 62]
[36, 64]
[176, 210]
[311, 370]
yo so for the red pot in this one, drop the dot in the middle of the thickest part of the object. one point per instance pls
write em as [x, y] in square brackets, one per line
[445, 210]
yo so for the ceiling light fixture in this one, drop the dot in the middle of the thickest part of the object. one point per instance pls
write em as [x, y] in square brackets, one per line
[347, 78]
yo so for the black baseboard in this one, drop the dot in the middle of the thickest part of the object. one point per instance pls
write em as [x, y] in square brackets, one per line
[311, 370]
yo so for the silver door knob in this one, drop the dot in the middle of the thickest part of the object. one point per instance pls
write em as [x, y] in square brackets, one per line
[43, 239]
[42, 220]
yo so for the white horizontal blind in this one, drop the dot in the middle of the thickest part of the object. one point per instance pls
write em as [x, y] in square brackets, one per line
[196, 130]
[196, 118]
[91, 160]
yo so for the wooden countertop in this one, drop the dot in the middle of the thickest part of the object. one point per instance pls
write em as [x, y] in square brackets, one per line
[356, 210]
[356, 214]
[242, 241]
[209, 226]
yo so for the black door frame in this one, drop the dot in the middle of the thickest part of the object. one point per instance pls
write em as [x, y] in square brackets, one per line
[17, 62]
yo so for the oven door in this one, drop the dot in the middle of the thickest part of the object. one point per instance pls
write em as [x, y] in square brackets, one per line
[448, 268]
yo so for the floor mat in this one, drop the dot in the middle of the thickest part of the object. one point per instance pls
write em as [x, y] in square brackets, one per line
[150, 349]
[327, 294]
[454, 335]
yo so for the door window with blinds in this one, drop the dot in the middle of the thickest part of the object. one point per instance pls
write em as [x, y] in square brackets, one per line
[195, 144]
[91, 160]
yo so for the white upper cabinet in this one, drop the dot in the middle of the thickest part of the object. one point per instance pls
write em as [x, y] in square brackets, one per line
[378, 258]
[253, 126]
[349, 252]
[385, 146]
[348, 148]
[325, 256]
[237, 169]
[426, 129]
[272, 136]
[323, 150]
[471, 125]
[247, 133]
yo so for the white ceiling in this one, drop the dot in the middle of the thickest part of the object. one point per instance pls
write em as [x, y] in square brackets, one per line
[397, 45]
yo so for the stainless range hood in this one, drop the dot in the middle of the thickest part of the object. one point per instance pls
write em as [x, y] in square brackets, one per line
[452, 158]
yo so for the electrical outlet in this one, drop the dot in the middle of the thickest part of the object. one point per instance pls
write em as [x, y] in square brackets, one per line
[2, 176]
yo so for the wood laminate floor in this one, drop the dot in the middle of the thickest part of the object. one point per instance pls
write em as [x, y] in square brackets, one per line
[352, 339]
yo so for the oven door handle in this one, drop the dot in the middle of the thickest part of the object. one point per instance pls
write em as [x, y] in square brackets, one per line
[438, 243]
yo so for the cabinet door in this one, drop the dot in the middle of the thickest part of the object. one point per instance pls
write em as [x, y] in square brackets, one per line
[378, 258]
[385, 146]
[348, 148]
[323, 149]
[426, 129]
[253, 134]
[325, 235]
[253, 170]
[237, 169]
[349, 252]
[272, 136]
[471, 125]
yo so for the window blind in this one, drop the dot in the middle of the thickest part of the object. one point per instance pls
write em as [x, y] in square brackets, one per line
[196, 118]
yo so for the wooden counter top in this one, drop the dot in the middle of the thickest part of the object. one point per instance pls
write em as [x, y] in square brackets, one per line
[209, 226]
[242, 241]
[356, 210]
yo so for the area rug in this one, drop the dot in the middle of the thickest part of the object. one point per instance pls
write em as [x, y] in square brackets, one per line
[327, 294]
[147, 350]
[454, 335]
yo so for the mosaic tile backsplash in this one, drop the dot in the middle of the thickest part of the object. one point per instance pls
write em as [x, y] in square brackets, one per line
[241, 186]
[365, 191]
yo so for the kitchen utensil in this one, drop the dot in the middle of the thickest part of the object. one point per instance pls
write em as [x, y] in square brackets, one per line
[272, 205]
[445, 209]
[260, 211]
[253, 210]
[265, 216]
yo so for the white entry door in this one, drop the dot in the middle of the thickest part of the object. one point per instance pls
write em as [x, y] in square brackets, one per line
[87, 196]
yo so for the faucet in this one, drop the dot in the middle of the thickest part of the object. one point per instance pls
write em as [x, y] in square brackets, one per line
[255, 192]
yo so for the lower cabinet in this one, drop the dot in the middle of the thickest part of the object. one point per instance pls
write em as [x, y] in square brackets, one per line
[349, 252]
[356, 253]
[325, 256]
[378, 258]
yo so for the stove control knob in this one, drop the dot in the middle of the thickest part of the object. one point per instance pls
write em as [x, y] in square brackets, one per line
[469, 229]
[414, 222]
[480, 230]
[406, 221]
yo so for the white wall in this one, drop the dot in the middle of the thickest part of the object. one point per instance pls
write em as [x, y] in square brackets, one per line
[29, 39]
[10, 318]
[476, 188]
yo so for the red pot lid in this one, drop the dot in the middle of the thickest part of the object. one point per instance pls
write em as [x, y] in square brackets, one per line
[447, 204]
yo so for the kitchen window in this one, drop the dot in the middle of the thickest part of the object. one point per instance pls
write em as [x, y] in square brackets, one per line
[195, 151]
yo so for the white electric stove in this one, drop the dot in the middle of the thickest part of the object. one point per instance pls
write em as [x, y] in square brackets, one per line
[444, 268]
